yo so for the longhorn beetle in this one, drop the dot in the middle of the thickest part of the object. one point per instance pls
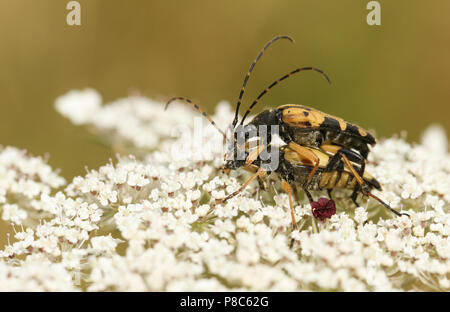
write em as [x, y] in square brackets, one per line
[302, 128]
[300, 125]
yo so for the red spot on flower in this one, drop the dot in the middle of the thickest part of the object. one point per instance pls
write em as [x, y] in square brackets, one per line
[323, 209]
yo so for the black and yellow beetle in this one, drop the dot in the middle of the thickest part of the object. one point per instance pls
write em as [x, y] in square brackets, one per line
[321, 152]
[300, 126]
[305, 127]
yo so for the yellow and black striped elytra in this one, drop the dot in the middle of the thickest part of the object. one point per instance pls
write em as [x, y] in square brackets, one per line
[334, 129]
[296, 120]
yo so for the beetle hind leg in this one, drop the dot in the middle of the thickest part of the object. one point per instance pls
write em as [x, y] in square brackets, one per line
[329, 193]
[338, 153]
[308, 194]
[355, 195]
[287, 187]
[295, 192]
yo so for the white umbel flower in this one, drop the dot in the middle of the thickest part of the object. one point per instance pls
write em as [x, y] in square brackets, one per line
[79, 106]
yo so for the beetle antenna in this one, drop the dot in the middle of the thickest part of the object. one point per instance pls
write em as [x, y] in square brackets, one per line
[247, 76]
[278, 81]
[186, 100]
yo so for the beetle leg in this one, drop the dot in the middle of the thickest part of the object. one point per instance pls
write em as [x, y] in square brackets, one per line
[259, 172]
[253, 168]
[334, 149]
[262, 184]
[388, 207]
[308, 194]
[287, 187]
[295, 191]
[337, 151]
[225, 170]
[361, 170]
[353, 170]
[253, 155]
[355, 195]
[358, 176]
[364, 190]
[329, 193]
[307, 155]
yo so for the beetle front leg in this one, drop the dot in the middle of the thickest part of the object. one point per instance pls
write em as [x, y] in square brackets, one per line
[253, 168]
[259, 172]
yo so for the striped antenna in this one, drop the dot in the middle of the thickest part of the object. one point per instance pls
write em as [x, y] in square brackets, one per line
[277, 82]
[186, 100]
[247, 76]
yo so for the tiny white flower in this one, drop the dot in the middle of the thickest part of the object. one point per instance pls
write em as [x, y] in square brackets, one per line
[13, 213]
[104, 243]
[202, 210]
[361, 214]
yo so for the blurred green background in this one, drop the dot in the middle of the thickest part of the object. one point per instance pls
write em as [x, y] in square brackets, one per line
[389, 78]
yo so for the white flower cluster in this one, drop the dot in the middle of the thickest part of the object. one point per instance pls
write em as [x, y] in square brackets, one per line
[23, 181]
[134, 124]
[151, 223]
